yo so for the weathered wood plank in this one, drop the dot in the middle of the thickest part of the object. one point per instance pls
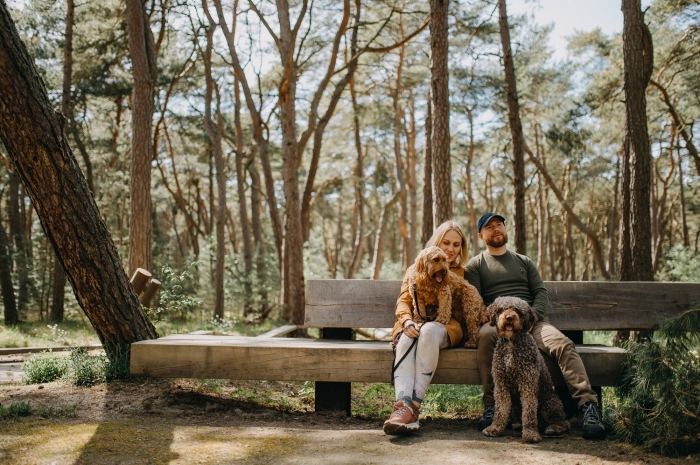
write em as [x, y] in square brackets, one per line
[573, 305]
[280, 332]
[284, 359]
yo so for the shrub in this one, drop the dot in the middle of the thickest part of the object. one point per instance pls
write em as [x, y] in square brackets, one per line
[20, 409]
[85, 369]
[44, 368]
[658, 402]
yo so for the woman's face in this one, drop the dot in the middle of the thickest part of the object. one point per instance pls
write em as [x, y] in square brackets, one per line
[451, 244]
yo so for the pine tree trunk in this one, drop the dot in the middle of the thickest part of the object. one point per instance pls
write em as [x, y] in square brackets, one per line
[359, 204]
[59, 278]
[427, 229]
[516, 131]
[411, 182]
[473, 233]
[440, 99]
[33, 136]
[293, 237]
[143, 65]
[399, 165]
[214, 135]
[638, 59]
[684, 221]
[8, 291]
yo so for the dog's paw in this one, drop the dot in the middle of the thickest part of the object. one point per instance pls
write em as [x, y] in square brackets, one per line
[530, 436]
[557, 429]
[470, 345]
[491, 432]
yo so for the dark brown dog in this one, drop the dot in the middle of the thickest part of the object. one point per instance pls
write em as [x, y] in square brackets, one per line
[455, 298]
[519, 371]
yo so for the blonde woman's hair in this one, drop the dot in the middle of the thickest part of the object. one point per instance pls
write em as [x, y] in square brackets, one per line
[439, 234]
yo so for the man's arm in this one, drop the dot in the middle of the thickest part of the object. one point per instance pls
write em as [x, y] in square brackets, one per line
[540, 297]
[471, 273]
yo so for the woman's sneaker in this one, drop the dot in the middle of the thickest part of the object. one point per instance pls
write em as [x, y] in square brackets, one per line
[403, 419]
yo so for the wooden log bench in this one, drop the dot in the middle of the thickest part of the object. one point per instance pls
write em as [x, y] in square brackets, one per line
[341, 308]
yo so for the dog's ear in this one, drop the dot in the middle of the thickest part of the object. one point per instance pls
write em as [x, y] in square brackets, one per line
[492, 313]
[528, 315]
[420, 263]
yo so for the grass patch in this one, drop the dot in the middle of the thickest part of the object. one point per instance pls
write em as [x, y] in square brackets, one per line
[62, 411]
[85, 369]
[20, 409]
[453, 400]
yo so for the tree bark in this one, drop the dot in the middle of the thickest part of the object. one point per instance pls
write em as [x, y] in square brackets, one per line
[473, 233]
[427, 229]
[143, 65]
[411, 181]
[8, 291]
[684, 221]
[214, 135]
[516, 131]
[359, 204]
[398, 157]
[33, 136]
[242, 209]
[440, 99]
[637, 52]
[59, 277]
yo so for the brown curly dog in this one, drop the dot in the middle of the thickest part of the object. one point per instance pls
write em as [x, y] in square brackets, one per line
[519, 371]
[436, 289]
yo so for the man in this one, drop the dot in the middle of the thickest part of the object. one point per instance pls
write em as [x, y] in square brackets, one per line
[499, 272]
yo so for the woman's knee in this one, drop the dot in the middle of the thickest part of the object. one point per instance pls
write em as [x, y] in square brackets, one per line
[433, 332]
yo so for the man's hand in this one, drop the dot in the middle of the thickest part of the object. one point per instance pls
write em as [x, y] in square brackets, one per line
[411, 329]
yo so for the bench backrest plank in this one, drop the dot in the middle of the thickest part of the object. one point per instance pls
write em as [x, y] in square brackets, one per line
[573, 305]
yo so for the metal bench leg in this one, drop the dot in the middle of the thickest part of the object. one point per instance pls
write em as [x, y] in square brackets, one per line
[332, 396]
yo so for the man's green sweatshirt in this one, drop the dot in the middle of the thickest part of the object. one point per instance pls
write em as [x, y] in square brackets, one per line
[508, 275]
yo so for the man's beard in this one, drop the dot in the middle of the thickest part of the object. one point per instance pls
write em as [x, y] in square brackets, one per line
[498, 242]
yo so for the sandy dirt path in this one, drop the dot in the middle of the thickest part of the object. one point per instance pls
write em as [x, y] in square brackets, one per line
[161, 423]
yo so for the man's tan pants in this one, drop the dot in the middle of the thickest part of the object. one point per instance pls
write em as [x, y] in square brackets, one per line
[553, 344]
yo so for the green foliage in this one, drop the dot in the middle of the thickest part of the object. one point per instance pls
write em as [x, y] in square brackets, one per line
[79, 368]
[65, 411]
[85, 369]
[682, 265]
[20, 409]
[659, 393]
[45, 368]
[177, 294]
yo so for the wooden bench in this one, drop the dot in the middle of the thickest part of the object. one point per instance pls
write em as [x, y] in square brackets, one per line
[341, 307]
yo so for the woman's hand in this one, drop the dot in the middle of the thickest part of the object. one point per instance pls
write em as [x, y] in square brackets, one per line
[411, 329]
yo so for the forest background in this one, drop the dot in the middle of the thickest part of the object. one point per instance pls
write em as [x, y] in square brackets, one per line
[223, 124]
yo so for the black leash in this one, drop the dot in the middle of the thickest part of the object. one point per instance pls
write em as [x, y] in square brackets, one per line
[395, 365]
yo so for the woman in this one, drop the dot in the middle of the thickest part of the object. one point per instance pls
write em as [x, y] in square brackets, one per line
[415, 363]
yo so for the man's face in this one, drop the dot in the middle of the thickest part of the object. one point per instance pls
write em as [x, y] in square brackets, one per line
[494, 233]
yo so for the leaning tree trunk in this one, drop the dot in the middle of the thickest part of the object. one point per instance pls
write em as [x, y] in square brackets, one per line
[33, 136]
[516, 131]
[440, 99]
[143, 66]
[59, 277]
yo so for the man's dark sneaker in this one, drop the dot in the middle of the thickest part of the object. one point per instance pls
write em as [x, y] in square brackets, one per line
[593, 427]
[487, 418]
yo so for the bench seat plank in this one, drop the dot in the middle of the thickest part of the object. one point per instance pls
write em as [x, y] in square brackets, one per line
[573, 305]
[237, 357]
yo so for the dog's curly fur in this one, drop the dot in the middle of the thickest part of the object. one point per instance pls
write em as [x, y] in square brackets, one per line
[436, 286]
[519, 371]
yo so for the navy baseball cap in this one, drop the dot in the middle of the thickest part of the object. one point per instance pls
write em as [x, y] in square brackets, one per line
[486, 217]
